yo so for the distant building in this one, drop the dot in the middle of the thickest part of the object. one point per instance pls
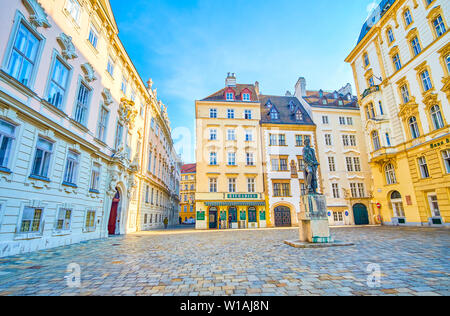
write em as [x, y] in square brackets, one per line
[187, 192]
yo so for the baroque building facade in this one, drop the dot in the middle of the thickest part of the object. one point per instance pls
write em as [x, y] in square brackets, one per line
[401, 67]
[341, 150]
[76, 130]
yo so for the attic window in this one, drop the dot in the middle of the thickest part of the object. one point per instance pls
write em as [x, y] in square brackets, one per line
[269, 104]
[230, 96]
[299, 116]
[246, 97]
[274, 114]
[324, 101]
[291, 106]
[340, 102]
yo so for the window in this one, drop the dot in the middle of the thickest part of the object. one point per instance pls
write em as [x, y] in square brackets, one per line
[423, 168]
[63, 220]
[281, 189]
[58, 83]
[331, 164]
[380, 107]
[251, 185]
[302, 189]
[328, 140]
[95, 177]
[232, 185]
[397, 204]
[325, 120]
[405, 93]
[93, 36]
[396, 61]
[124, 85]
[436, 117]
[335, 189]
[408, 17]
[230, 113]
[375, 141]
[357, 164]
[7, 136]
[416, 46]
[338, 216]
[248, 114]
[230, 96]
[102, 123]
[283, 164]
[352, 140]
[361, 191]
[231, 134]
[212, 113]
[342, 120]
[110, 66]
[390, 35]
[439, 26]
[42, 158]
[23, 55]
[301, 164]
[232, 159]
[246, 97]
[299, 116]
[371, 82]
[248, 136]
[71, 172]
[426, 81]
[82, 104]
[31, 220]
[447, 61]
[73, 7]
[366, 60]
[353, 190]
[212, 134]
[434, 206]
[298, 140]
[273, 140]
[281, 140]
[345, 140]
[349, 121]
[213, 159]
[212, 185]
[413, 127]
[274, 114]
[349, 164]
[90, 220]
[119, 136]
[249, 158]
[390, 174]
[446, 157]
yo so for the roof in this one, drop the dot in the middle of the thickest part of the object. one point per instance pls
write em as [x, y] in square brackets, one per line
[238, 89]
[374, 17]
[189, 168]
[315, 99]
[283, 105]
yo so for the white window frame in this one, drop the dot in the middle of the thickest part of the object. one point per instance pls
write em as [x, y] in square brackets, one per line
[81, 108]
[434, 205]
[59, 86]
[72, 5]
[71, 167]
[45, 153]
[86, 228]
[10, 146]
[96, 171]
[93, 36]
[446, 159]
[66, 222]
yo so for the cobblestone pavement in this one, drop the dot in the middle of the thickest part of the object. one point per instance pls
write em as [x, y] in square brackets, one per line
[413, 261]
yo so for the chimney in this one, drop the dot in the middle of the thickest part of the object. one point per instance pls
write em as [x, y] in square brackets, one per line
[231, 80]
[288, 93]
[257, 87]
[300, 88]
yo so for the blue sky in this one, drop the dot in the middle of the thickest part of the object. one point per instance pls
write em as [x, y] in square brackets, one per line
[188, 46]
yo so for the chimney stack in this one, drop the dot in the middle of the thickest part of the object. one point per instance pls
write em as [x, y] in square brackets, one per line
[257, 87]
[231, 80]
[300, 88]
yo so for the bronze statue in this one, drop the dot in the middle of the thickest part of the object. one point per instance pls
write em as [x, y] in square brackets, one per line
[311, 164]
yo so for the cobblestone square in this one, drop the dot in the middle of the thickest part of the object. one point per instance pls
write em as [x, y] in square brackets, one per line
[412, 261]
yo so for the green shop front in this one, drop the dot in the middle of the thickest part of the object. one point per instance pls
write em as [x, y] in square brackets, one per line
[235, 211]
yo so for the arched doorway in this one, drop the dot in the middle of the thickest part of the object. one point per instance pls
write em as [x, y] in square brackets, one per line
[213, 218]
[282, 216]
[112, 223]
[360, 214]
[397, 204]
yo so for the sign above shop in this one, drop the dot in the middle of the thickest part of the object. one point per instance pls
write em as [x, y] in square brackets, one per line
[439, 144]
[242, 196]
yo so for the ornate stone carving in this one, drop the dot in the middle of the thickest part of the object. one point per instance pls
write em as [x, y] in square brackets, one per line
[149, 83]
[89, 73]
[38, 17]
[68, 49]
[408, 109]
[127, 113]
[107, 97]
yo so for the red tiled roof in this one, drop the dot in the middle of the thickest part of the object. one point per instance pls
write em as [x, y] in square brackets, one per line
[189, 168]
[238, 89]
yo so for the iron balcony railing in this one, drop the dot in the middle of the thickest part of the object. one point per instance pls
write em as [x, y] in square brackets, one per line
[370, 90]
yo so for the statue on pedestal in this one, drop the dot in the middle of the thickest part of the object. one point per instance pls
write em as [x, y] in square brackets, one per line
[311, 164]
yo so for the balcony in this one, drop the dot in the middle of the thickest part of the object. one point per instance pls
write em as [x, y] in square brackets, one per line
[369, 91]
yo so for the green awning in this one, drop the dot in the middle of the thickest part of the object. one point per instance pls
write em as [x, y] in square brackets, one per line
[235, 204]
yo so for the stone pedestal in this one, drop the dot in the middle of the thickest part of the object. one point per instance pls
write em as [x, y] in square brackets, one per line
[313, 220]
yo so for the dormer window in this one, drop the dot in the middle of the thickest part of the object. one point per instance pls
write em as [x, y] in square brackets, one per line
[268, 104]
[230, 96]
[320, 94]
[324, 102]
[291, 106]
[246, 97]
[340, 102]
[299, 115]
[274, 114]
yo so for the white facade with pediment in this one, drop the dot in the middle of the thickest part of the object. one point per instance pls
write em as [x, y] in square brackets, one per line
[74, 158]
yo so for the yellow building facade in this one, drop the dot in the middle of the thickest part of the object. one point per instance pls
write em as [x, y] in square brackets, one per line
[401, 67]
[229, 182]
[187, 191]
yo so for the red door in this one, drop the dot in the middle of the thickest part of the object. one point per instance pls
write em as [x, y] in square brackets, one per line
[113, 217]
